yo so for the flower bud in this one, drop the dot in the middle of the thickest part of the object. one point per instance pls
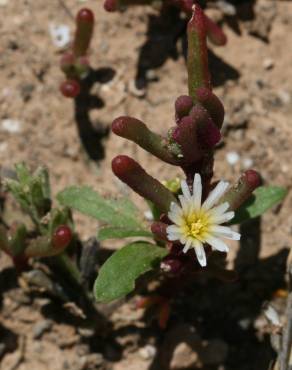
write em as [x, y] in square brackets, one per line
[182, 106]
[212, 104]
[136, 131]
[84, 31]
[185, 134]
[242, 190]
[62, 237]
[70, 88]
[111, 5]
[131, 173]
[207, 132]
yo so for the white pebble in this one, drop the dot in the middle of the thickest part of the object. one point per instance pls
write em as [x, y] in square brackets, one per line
[147, 352]
[11, 125]
[3, 2]
[268, 63]
[232, 158]
[60, 34]
[272, 315]
[284, 96]
[247, 163]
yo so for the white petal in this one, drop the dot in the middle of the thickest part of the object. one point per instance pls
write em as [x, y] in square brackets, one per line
[174, 207]
[200, 253]
[172, 237]
[184, 203]
[187, 245]
[197, 191]
[219, 210]
[185, 190]
[172, 229]
[225, 232]
[215, 194]
[223, 218]
[217, 244]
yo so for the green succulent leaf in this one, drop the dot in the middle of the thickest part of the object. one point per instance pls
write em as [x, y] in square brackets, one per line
[118, 274]
[120, 213]
[262, 199]
[117, 233]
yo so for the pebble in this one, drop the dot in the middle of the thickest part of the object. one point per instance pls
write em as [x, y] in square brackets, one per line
[11, 125]
[268, 64]
[148, 352]
[232, 158]
[226, 8]
[3, 2]
[60, 34]
[284, 96]
[247, 163]
[40, 328]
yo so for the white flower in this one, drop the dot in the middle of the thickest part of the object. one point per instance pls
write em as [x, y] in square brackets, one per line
[196, 224]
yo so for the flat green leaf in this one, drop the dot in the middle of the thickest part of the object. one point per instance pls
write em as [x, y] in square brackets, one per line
[117, 233]
[262, 199]
[119, 213]
[117, 276]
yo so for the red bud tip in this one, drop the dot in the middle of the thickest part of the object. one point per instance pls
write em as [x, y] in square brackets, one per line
[110, 5]
[182, 106]
[62, 237]
[119, 124]
[253, 178]
[85, 15]
[123, 164]
[212, 104]
[70, 88]
[210, 135]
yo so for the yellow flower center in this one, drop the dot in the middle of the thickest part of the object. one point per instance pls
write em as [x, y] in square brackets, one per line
[197, 225]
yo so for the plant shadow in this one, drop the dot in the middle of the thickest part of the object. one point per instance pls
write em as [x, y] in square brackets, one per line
[166, 36]
[91, 133]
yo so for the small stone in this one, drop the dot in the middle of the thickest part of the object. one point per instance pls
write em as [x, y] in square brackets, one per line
[60, 34]
[11, 125]
[226, 8]
[3, 2]
[232, 158]
[148, 352]
[86, 332]
[268, 64]
[94, 360]
[41, 327]
[247, 163]
[284, 96]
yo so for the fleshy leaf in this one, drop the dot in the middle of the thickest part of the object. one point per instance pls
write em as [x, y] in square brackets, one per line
[117, 233]
[117, 276]
[120, 213]
[261, 200]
